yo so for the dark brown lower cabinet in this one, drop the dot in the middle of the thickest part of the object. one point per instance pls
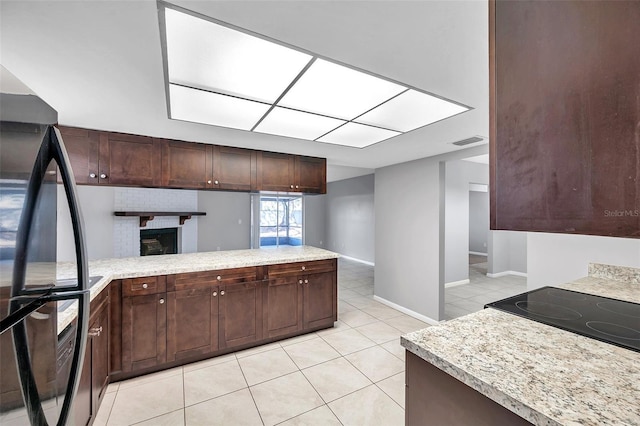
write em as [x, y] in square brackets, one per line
[240, 314]
[144, 331]
[94, 377]
[433, 397]
[283, 310]
[320, 301]
[192, 322]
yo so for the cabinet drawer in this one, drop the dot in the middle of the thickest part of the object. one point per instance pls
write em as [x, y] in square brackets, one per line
[302, 268]
[144, 285]
[191, 280]
[236, 275]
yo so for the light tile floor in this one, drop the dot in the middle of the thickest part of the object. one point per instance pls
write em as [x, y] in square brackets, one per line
[352, 374]
[465, 299]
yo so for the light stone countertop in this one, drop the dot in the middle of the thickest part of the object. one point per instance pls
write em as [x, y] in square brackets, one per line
[544, 374]
[132, 267]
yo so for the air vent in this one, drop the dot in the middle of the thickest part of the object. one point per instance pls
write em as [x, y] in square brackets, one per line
[468, 141]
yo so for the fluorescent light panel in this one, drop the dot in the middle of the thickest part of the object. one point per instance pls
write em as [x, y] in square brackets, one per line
[297, 124]
[410, 110]
[357, 135]
[211, 108]
[209, 56]
[331, 89]
[250, 83]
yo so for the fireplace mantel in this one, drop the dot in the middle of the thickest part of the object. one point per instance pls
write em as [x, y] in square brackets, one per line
[147, 216]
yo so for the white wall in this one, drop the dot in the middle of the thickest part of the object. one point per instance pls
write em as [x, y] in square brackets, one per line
[227, 225]
[508, 253]
[407, 228]
[478, 221]
[315, 220]
[557, 258]
[350, 217]
[96, 204]
[459, 174]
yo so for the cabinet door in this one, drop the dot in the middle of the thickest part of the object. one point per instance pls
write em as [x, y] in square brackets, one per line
[130, 160]
[240, 314]
[99, 334]
[234, 169]
[144, 322]
[320, 300]
[186, 165]
[192, 322]
[311, 175]
[283, 306]
[275, 172]
[83, 147]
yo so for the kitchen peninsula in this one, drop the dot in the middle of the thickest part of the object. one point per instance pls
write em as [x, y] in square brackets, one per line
[507, 364]
[155, 312]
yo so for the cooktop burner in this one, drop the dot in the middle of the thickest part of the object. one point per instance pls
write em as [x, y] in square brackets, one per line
[601, 318]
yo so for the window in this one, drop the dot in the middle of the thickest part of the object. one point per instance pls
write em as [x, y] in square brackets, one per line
[279, 221]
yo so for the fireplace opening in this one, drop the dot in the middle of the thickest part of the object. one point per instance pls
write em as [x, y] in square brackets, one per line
[158, 241]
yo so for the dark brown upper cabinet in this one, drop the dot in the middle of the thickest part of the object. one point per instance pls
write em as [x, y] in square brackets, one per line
[234, 169]
[291, 173]
[131, 160]
[564, 117]
[83, 148]
[186, 164]
[107, 158]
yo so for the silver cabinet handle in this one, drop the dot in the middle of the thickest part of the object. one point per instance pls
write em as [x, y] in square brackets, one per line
[303, 268]
[300, 282]
[94, 332]
[291, 186]
[92, 175]
[297, 187]
[209, 182]
[103, 176]
[216, 182]
[306, 281]
[219, 278]
[161, 301]
[145, 285]
[222, 293]
[215, 293]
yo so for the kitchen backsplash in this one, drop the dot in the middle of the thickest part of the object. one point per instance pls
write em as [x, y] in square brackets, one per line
[126, 230]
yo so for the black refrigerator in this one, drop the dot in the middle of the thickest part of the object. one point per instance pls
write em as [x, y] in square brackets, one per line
[37, 382]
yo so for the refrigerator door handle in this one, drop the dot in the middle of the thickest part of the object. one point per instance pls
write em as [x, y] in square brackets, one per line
[51, 149]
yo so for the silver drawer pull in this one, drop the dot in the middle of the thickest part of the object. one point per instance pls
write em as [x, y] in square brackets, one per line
[215, 293]
[222, 293]
[103, 176]
[144, 285]
[95, 332]
[92, 175]
[219, 278]
[306, 281]
[300, 282]
[303, 268]
[161, 301]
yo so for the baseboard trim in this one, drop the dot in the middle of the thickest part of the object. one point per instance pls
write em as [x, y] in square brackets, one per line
[357, 260]
[456, 283]
[477, 253]
[404, 310]
[502, 274]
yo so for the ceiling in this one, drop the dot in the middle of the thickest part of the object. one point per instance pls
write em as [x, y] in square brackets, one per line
[99, 63]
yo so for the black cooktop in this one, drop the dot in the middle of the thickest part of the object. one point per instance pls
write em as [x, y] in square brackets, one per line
[601, 318]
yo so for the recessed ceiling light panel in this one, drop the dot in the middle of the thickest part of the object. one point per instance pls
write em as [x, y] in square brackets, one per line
[220, 75]
[210, 56]
[296, 124]
[357, 135]
[331, 89]
[211, 108]
[411, 110]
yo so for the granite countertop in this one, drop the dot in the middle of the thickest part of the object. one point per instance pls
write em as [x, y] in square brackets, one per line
[544, 374]
[132, 267]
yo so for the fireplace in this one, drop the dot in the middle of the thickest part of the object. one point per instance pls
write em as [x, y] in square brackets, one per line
[158, 241]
